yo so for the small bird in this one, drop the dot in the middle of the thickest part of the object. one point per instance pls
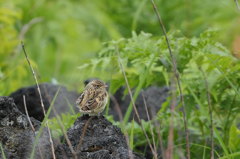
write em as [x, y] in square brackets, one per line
[93, 99]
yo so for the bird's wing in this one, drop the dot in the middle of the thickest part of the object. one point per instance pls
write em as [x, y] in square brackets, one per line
[99, 100]
[87, 100]
[92, 101]
[80, 99]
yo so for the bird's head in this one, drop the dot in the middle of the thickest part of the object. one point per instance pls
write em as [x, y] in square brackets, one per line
[97, 84]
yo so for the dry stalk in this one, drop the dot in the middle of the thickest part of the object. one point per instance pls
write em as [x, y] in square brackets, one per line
[30, 122]
[25, 29]
[117, 107]
[176, 76]
[133, 103]
[27, 26]
[169, 151]
[119, 112]
[151, 128]
[210, 109]
[41, 100]
[65, 134]
[129, 149]
[157, 125]
[238, 7]
[83, 133]
[61, 125]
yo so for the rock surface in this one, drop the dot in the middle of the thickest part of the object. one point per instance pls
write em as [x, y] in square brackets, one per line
[91, 137]
[64, 102]
[16, 135]
[95, 138]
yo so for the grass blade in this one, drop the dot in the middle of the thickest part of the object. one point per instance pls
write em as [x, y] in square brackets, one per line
[236, 154]
[2, 151]
[220, 140]
[176, 74]
[43, 125]
[132, 135]
[142, 78]
[41, 100]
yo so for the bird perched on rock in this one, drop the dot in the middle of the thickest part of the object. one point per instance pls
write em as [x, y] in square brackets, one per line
[93, 99]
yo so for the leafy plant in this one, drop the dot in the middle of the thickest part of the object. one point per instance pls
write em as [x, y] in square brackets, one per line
[147, 56]
[67, 121]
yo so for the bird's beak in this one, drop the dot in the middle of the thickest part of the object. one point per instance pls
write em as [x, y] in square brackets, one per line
[105, 86]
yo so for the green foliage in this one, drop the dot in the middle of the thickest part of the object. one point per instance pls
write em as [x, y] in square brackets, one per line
[11, 74]
[234, 138]
[64, 41]
[2, 152]
[146, 62]
[134, 132]
[8, 33]
[66, 120]
[177, 14]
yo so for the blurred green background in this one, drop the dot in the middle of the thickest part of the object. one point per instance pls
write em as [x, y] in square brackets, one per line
[69, 41]
[61, 35]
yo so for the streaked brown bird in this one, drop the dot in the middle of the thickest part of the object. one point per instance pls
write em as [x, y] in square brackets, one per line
[94, 98]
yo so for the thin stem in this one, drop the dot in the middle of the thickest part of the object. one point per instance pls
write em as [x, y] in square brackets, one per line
[119, 112]
[210, 112]
[129, 149]
[2, 151]
[30, 122]
[227, 124]
[151, 128]
[169, 151]
[41, 100]
[61, 125]
[133, 103]
[83, 133]
[158, 127]
[238, 7]
[177, 78]
[65, 134]
[117, 107]
[25, 29]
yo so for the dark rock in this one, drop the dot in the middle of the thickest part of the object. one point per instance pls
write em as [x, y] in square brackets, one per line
[65, 99]
[16, 135]
[95, 138]
[10, 116]
[154, 97]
